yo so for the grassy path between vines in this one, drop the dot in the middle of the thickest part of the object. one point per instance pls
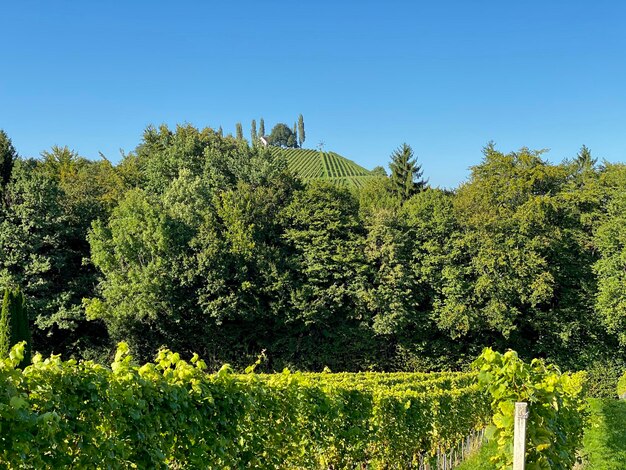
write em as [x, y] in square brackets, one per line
[605, 437]
[604, 443]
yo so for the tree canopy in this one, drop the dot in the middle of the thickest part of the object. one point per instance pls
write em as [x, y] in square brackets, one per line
[203, 243]
[282, 136]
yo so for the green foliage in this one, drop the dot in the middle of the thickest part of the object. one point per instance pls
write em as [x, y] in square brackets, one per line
[327, 242]
[390, 298]
[282, 136]
[239, 131]
[379, 171]
[171, 413]
[556, 408]
[14, 325]
[610, 237]
[301, 133]
[375, 195]
[253, 133]
[602, 378]
[527, 257]
[8, 155]
[43, 235]
[202, 243]
[406, 174]
[261, 128]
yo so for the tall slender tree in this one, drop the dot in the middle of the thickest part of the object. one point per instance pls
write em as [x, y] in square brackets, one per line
[301, 134]
[406, 174]
[220, 132]
[262, 128]
[253, 134]
[14, 324]
[295, 134]
[239, 131]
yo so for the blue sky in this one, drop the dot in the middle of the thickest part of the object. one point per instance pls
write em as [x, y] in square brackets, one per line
[445, 77]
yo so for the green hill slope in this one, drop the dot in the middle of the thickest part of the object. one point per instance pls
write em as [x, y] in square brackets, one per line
[313, 164]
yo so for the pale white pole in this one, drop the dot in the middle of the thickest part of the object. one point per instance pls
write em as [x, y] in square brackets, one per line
[519, 439]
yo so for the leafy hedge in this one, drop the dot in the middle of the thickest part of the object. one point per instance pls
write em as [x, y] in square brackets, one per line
[171, 413]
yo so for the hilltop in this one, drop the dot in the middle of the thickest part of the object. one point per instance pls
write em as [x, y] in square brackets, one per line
[313, 164]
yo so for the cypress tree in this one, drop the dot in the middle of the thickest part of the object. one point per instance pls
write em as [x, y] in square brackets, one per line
[261, 128]
[406, 174]
[301, 134]
[220, 132]
[253, 135]
[14, 324]
[295, 134]
[239, 131]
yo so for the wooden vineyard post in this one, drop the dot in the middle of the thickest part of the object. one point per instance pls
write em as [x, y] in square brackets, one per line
[519, 438]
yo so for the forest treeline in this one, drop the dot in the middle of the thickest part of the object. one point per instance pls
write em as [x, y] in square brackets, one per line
[205, 244]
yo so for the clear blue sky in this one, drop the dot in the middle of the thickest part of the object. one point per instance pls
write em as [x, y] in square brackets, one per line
[445, 77]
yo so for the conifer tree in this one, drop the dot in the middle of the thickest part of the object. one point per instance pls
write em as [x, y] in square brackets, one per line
[253, 135]
[406, 174]
[14, 324]
[239, 131]
[301, 134]
[220, 132]
[261, 128]
[584, 160]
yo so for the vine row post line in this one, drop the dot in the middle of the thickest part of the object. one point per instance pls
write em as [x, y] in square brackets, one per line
[519, 438]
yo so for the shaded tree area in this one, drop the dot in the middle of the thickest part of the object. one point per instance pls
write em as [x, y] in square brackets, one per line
[203, 243]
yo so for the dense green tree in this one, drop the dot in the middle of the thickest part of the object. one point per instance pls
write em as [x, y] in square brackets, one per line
[205, 244]
[301, 133]
[14, 324]
[438, 266]
[375, 195]
[406, 174]
[329, 313]
[282, 136]
[261, 128]
[51, 204]
[520, 285]
[391, 297]
[197, 266]
[610, 240]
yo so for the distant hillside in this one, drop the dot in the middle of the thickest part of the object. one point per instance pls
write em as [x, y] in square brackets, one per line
[313, 164]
